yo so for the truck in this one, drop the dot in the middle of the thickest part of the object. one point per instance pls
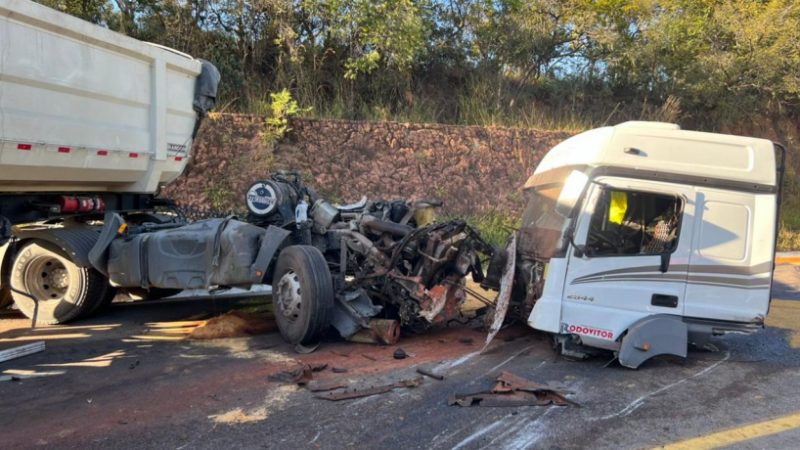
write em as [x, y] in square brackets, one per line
[642, 238]
[639, 238]
[92, 123]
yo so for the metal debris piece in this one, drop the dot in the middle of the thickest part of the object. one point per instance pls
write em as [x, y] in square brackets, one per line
[430, 373]
[400, 353]
[21, 350]
[304, 350]
[513, 390]
[338, 370]
[300, 375]
[321, 386]
[358, 391]
[504, 296]
[318, 367]
[371, 358]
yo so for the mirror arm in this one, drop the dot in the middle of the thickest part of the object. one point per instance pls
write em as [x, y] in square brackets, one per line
[580, 250]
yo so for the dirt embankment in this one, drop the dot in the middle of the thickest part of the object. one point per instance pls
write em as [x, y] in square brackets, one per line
[472, 169]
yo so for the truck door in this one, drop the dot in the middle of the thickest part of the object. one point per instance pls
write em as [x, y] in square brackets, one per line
[634, 240]
[731, 264]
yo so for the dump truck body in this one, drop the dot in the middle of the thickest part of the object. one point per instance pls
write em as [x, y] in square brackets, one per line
[85, 109]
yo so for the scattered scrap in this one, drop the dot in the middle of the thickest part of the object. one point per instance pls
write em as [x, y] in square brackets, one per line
[21, 350]
[366, 390]
[301, 376]
[430, 373]
[513, 390]
[400, 354]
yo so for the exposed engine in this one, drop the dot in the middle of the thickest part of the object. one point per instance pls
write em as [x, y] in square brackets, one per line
[391, 263]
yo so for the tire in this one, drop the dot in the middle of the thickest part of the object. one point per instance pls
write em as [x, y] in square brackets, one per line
[302, 294]
[63, 290]
[6, 298]
[101, 302]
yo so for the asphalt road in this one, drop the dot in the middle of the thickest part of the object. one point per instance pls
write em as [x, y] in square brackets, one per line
[131, 379]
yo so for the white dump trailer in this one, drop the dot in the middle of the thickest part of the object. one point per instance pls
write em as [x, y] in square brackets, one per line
[92, 123]
[85, 109]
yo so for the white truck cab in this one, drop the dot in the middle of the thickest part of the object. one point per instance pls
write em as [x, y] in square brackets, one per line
[642, 238]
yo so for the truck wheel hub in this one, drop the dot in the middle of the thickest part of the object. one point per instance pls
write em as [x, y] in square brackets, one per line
[46, 278]
[289, 295]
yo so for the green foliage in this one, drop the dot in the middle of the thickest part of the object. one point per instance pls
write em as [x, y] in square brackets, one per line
[495, 226]
[713, 65]
[280, 108]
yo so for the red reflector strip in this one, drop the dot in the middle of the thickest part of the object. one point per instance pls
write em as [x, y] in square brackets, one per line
[23, 146]
[179, 158]
[63, 149]
[102, 153]
[133, 155]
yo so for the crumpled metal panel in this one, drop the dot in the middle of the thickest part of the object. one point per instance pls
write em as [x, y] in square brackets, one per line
[504, 296]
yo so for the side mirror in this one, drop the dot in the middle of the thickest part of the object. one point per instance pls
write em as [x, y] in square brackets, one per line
[665, 257]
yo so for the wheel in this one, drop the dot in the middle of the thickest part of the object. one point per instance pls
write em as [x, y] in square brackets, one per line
[63, 290]
[302, 293]
[102, 301]
[5, 297]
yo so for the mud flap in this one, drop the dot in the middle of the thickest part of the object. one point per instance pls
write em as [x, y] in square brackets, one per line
[655, 335]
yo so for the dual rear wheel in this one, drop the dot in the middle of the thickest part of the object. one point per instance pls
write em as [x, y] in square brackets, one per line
[49, 286]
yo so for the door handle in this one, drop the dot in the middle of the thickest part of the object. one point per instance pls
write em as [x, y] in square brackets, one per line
[663, 300]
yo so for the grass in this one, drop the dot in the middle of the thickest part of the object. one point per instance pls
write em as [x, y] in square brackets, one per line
[494, 226]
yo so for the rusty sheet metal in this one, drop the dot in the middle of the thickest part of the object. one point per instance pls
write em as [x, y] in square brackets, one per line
[366, 389]
[513, 390]
[300, 375]
[504, 296]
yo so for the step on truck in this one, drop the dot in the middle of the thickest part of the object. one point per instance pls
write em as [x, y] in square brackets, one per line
[642, 238]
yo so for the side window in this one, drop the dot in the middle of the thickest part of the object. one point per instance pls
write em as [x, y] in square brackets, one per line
[634, 223]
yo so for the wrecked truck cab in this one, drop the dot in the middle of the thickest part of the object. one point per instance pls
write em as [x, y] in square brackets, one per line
[642, 238]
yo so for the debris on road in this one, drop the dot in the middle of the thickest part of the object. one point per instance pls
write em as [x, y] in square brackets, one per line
[400, 354]
[232, 324]
[364, 389]
[301, 376]
[21, 350]
[429, 373]
[513, 390]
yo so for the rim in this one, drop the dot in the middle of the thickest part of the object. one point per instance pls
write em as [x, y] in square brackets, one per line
[46, 278]
[290, 301]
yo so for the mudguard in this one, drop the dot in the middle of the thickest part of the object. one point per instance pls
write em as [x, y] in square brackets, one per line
[98, 255]
[72, 242]
[660, 334]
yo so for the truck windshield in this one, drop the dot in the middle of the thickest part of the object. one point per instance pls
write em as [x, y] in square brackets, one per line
[541, 233]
